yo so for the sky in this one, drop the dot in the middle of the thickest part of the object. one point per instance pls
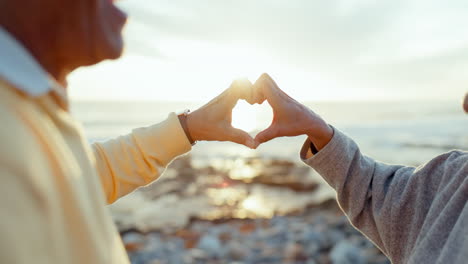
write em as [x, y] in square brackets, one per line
[189, 50]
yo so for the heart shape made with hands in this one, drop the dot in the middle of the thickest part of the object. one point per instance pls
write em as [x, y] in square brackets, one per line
[251, 118]
[251, 113]
[214, 121]
[290, 118]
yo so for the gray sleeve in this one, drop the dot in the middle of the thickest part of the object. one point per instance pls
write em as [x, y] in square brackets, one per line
[387, 203]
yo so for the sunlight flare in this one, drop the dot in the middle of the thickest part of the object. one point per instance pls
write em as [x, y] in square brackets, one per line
[243, 117]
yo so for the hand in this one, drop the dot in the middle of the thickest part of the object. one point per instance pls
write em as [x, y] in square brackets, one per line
[290, 118]
[212, 122]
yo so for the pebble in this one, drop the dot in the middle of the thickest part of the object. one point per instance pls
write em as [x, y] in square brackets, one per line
[294, 252]
[133, 241]
[267, 241]
[236, 250]
[211, 245]
[345, 253]
[314, 235]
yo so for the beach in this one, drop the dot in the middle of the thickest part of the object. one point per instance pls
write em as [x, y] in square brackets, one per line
[252, 211]
[224, 203]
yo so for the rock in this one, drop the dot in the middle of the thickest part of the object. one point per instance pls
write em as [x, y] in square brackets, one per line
[190, 237]
[293, 178]
[314, 242]
[157, 262]
[380, 259]
[323, 259]
[333, 237]
[133, 241]
[275, 236]
[345, 253]
[198, 254]
[279, 221]
[286, 164]
[186, 173]
[213, 219]
[247, 227]
[339, 222]
[168, 212]
[361, 242]
[313, 237]
[294, 252]
[211, 245]
[236, 251]
[153, 243]
[175, 245]
[182, 162]
[176, 259]
[373, 255]
[224, 236]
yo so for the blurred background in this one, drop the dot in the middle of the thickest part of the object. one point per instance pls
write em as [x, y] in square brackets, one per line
[390, 74]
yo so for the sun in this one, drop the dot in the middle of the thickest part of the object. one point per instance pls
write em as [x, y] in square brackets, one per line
[243, 117]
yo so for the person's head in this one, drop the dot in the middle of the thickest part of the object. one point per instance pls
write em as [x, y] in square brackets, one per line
[65, 34]
[465, 103]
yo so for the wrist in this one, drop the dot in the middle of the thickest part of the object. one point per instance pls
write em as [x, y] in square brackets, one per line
[192, 125]
[320, 134]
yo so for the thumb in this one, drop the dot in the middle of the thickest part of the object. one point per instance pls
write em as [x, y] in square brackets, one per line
[240, 137]
[266, 135]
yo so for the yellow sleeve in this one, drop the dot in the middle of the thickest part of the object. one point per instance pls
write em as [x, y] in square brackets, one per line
[134, 160]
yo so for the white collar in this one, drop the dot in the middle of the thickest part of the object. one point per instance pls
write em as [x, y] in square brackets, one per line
[19, 68]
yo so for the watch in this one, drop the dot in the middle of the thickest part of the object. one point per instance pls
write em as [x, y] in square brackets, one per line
[183, 122]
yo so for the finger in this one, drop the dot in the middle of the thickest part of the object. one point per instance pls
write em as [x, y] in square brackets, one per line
[275, 86]
[237, 90]
[240, 137]
[268, 88]
[266, 135]
[258, 96]
[242, 89]
[271, 84]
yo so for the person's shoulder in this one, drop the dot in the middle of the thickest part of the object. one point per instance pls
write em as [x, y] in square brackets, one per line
[454, 162]
[16, 137]
[458, 158]
[455, 156]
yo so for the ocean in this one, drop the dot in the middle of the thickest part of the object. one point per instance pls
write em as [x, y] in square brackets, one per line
[408, 133]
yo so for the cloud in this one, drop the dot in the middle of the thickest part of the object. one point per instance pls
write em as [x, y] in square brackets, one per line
[392, 47]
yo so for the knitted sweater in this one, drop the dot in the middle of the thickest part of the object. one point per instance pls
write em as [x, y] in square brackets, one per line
[413, 214]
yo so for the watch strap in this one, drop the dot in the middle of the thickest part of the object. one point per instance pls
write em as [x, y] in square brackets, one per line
[183, 122]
